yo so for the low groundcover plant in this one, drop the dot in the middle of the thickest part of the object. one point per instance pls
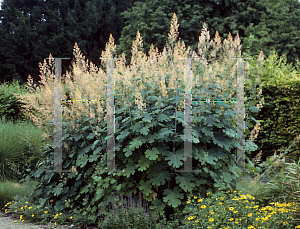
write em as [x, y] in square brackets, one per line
[122, 217]
[29, 212]
[218, 210]
[221, 211]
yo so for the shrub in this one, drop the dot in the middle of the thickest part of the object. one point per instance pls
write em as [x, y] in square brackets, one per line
[279, 117]
[148, 149]
[10, 106]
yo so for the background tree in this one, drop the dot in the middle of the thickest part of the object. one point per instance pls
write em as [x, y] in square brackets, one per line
[31, 30]
[152, 19]
[278, 30]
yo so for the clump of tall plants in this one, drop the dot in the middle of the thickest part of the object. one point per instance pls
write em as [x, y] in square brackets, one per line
[149, 115]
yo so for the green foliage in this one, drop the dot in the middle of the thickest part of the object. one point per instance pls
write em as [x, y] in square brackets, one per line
[144, 153]
[10, 107]
[151, 19]
[235, 210]
[10, 152]
[20, 139]
[280, 115]
[278, 29]
[8, 189]
[25, 41]
[20, 149]
[280, 124]
[150, 145]
[29, 32]
[134, 142]
[128, 216]
[285, 187]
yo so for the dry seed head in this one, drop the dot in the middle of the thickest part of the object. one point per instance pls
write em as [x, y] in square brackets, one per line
[172, 82]
[82, 79]
[261, 58]
[162, 86]
[203, 40]
[80, 62]
[257, 158]
[173, 30]
[139, 100]
[110, 48]
[276, 164]
[217, 39]
[92, 115]
[255, 180]
[254, 132]
[137, 50]
[216, 45]
[153, 55]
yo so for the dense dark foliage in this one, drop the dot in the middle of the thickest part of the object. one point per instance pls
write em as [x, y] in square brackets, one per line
[29, 29]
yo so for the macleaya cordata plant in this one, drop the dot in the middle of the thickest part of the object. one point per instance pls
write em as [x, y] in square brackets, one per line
[149, 127]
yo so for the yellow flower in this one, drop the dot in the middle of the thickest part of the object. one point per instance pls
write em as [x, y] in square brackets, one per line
[32, 215]
[71, 217]
[46, 212]
[29, 207]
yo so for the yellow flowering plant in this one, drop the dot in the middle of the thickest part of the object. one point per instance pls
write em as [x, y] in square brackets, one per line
[221, 210]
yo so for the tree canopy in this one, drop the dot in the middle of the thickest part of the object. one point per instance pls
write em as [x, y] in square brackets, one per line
[31, 30]
[278, 30]
[152, 19]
